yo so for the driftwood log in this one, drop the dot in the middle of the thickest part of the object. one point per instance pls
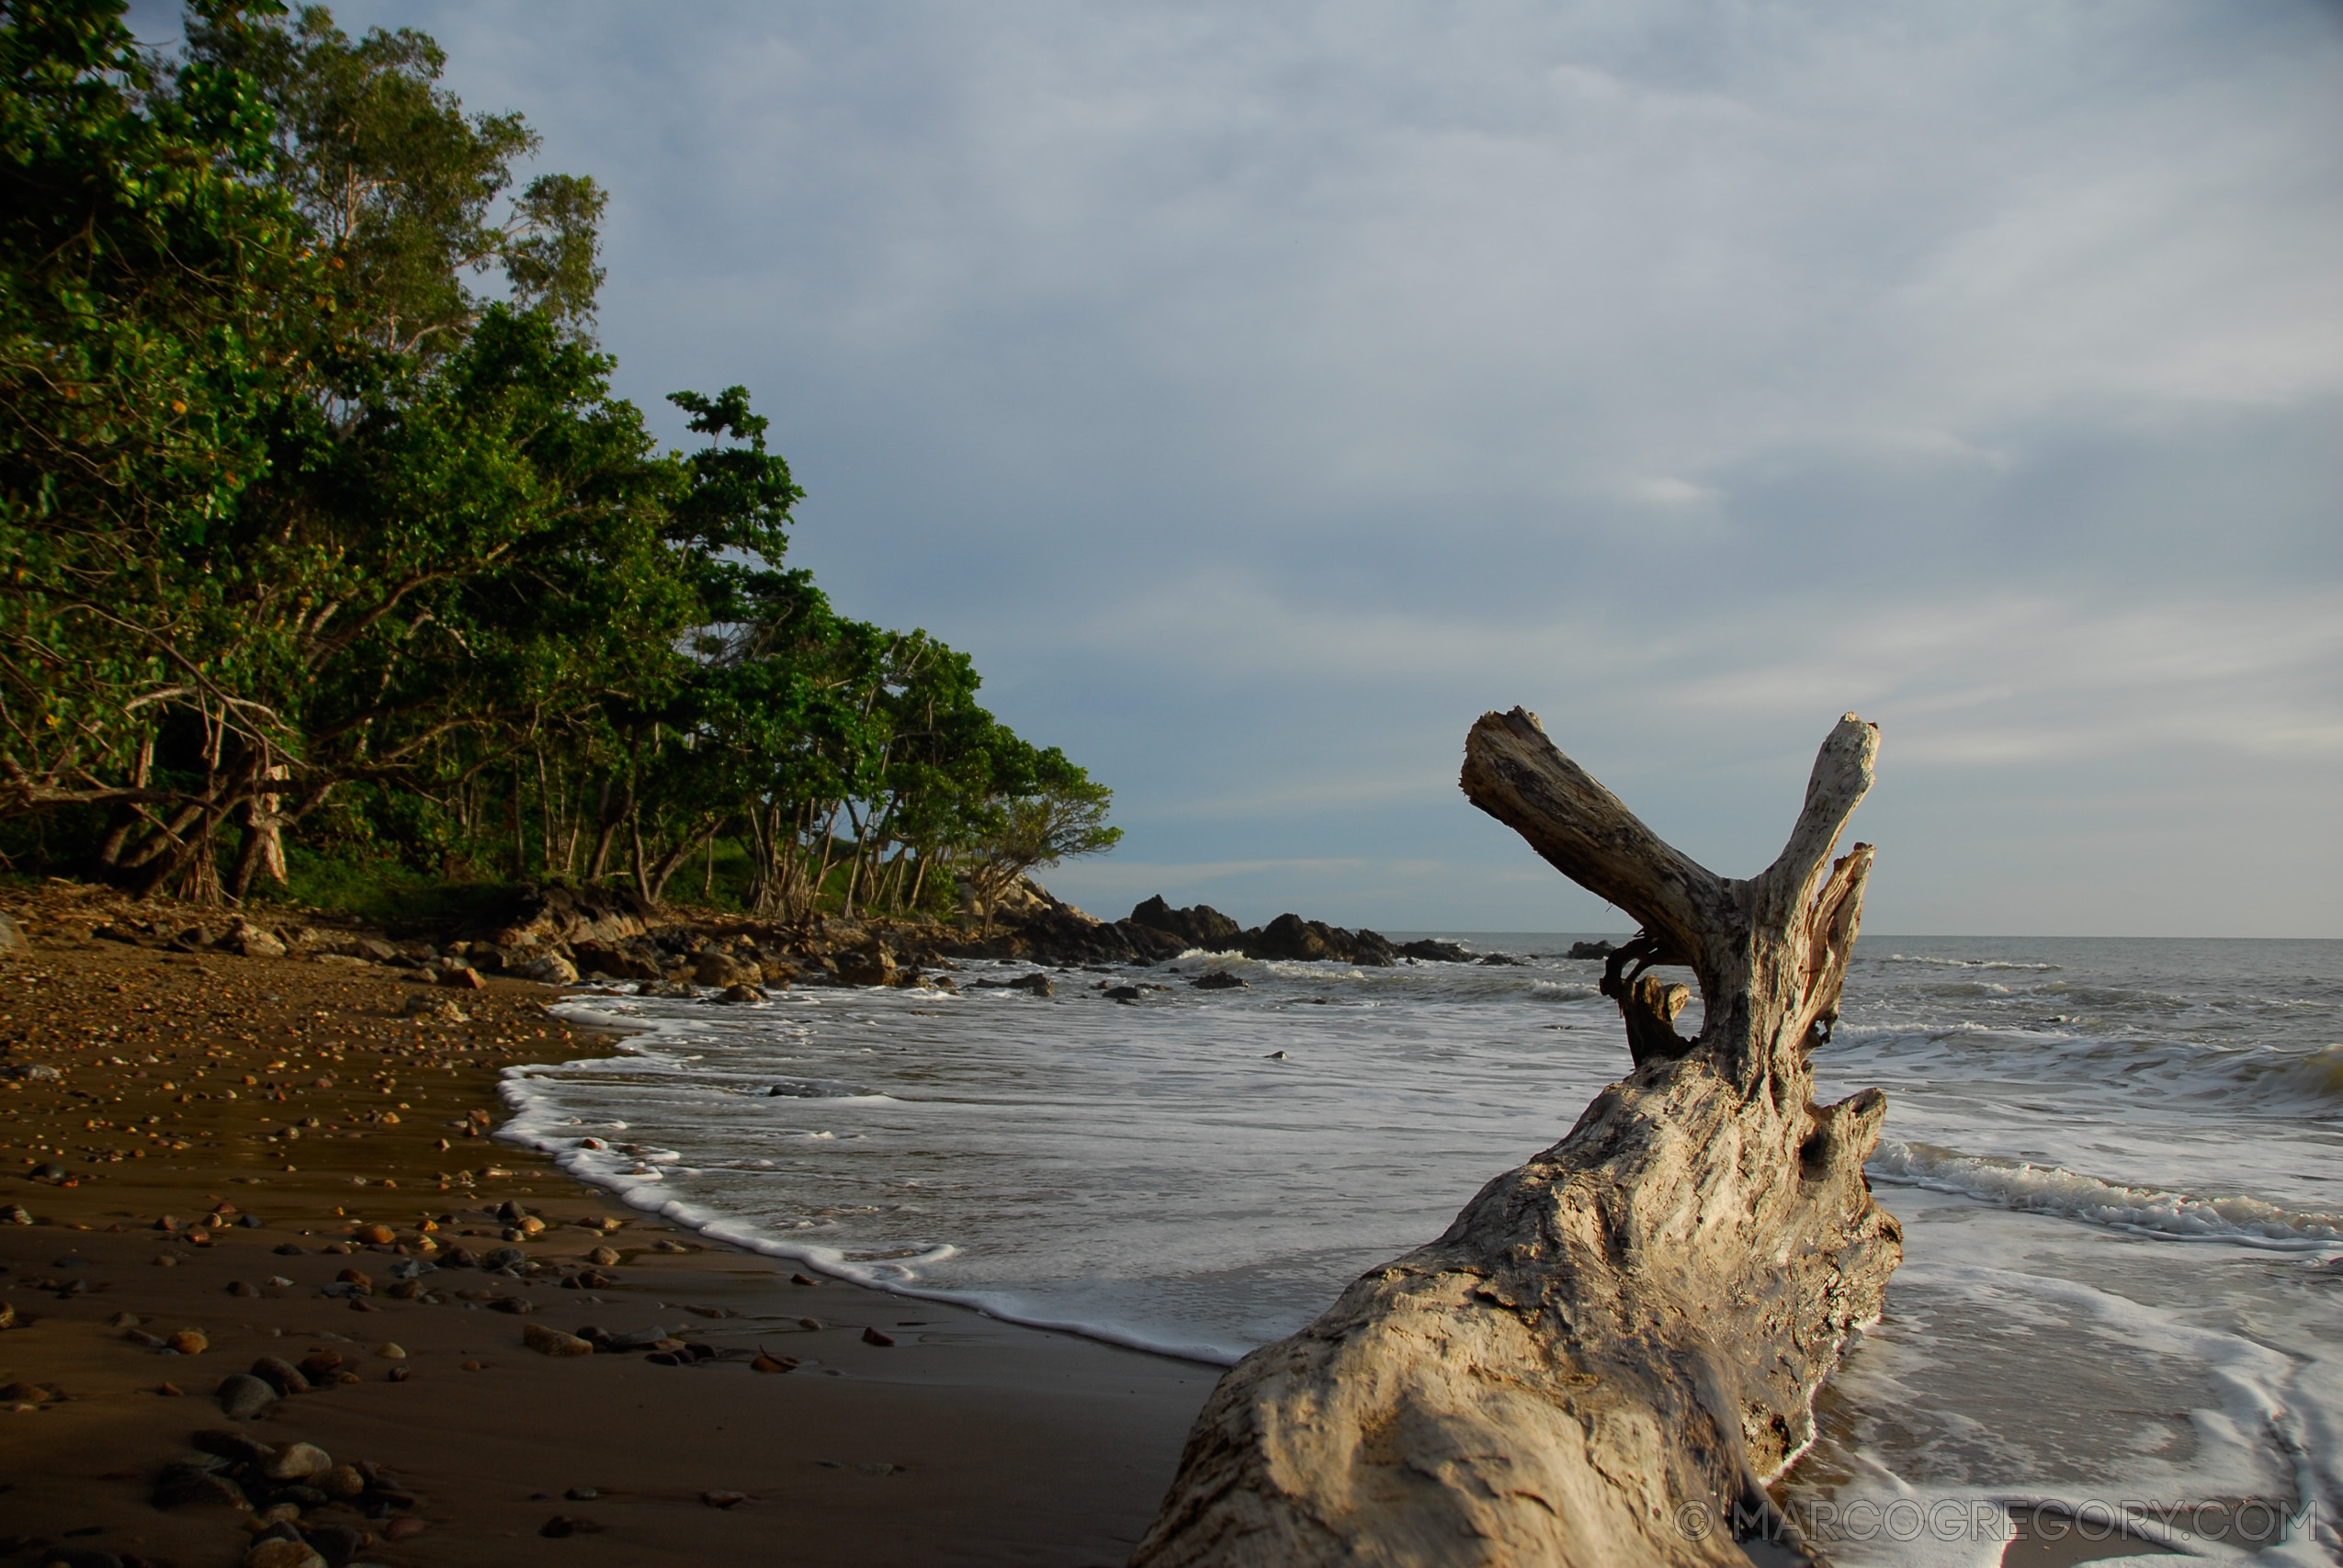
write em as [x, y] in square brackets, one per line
[1615, 1346]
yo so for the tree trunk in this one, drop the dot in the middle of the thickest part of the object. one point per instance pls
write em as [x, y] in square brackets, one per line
[1615, 1346]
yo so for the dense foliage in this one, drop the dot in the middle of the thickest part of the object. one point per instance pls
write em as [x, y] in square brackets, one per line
[307, 541]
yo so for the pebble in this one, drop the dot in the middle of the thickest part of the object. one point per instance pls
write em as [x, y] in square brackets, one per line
[604, 1258]
[124, 1319]
[280, 1374]
[873, 1336]
[354, 1277]
[189, 1342]
[404, 1529]
[391, 1352]
[298, 1461]
[239, 1288]
[375, 1236]
[190, 1485]
[243, 1396]
[723, 1499]
[767, 1361]
[276, 1551]
[803, 1279]
[170, 1389]
[164, 1260]
[549, 1341]
[242, 1448]
[342, 1481]
[320, 1366]
[562, 1525]
[141, 1337]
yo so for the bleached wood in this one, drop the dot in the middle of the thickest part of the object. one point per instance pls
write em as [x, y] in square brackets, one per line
[1618, 1342]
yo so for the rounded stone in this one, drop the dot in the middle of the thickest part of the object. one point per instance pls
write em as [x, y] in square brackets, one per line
[298, 1461]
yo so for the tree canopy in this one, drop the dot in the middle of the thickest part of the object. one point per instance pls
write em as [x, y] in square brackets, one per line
[323, 533]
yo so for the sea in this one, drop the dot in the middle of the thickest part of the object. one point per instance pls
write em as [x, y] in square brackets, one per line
[2118, 1164]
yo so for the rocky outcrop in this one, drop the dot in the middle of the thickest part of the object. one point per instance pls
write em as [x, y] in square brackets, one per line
[1201, 926]
[1612, 1348]
[544, 917]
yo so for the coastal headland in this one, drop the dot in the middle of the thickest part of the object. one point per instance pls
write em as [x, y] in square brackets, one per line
[217, 1161]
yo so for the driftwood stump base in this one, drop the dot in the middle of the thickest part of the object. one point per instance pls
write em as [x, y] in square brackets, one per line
[1614, 1347]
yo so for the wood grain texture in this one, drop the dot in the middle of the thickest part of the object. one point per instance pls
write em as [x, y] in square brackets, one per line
[1616, 1345]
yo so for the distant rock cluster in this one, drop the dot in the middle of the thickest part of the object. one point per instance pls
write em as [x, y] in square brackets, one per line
[1154, 930]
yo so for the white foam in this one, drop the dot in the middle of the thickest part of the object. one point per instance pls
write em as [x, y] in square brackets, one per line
[2052, 1190]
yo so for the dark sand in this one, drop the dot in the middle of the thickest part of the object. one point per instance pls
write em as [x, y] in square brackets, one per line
[965, 1442]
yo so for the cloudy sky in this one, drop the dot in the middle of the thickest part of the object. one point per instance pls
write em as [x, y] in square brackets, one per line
[1260, 393]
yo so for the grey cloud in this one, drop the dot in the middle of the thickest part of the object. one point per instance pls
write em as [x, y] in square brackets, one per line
[1259, 393]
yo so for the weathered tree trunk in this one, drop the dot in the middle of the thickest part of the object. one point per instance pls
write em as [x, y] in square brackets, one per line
[1614, 1347]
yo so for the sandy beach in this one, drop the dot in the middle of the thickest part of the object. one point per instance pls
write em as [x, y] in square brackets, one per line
[230, 1130]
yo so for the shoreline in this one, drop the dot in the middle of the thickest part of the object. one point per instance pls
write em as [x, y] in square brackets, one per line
[299, 1092]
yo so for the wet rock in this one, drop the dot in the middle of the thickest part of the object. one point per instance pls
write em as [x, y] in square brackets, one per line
[189, 1342]
[504, 1258]
[717, 967]
[562, 1525]
[872, 965]
[514, 1304]
[240, 1289]
[549, 1341]
[298, 1461]
[435, 1009]
[873, 1336]
[1038, 983]
[344, 1481]
[376, 1234]
[605, 1257]
[1499, 961]
[243, 1396]
[338, 1544]
[1221, 980]
[723, 1499]
[193, 1486]
[15, 1214]
[322, 1366]
[766, 1361]
[236, 1448]
[1122, 993]
[1591, 950]
[280, 1375]
[739, 994]
[390, 1352]
[464, 980]
[278, 1551]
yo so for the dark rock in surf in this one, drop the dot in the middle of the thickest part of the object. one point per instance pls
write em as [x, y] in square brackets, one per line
[1038, 983]
[1200, 926]
[1221, 980]
[1591, 950]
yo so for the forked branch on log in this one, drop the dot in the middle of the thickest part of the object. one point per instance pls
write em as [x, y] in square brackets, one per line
[1615, 1346]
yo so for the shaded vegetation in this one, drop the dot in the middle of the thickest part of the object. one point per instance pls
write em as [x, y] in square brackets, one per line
[329, 562]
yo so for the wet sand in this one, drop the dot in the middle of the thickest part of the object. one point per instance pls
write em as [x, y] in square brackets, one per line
[298, 1092]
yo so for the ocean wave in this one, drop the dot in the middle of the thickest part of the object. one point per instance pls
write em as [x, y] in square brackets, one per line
[1966, 963]
[2052, 1190]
